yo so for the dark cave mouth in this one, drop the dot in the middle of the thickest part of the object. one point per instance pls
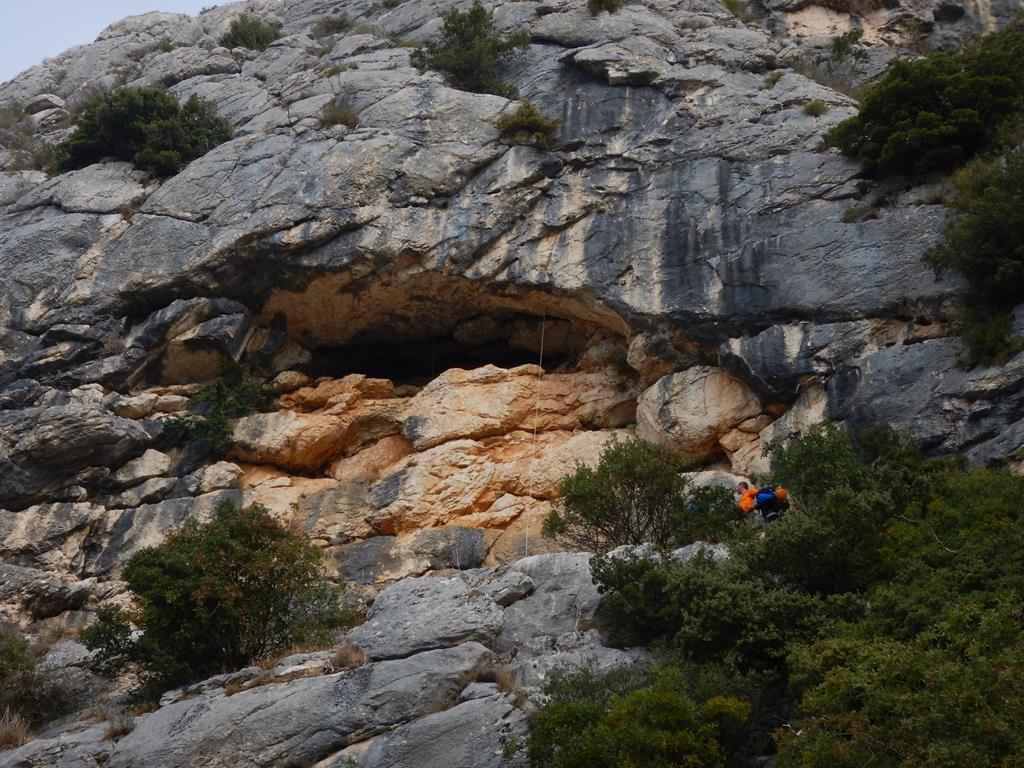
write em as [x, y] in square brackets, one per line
[504, 341]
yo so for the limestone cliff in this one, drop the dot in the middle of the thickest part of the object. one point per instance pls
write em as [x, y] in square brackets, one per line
[449, 322]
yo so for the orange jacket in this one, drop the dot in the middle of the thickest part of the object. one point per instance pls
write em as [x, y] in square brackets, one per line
[748, 499]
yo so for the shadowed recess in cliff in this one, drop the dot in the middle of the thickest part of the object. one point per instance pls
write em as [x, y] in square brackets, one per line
[413, 328]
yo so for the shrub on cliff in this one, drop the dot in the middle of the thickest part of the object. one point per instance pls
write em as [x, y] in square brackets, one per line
[216, 596]
[145, 126]
[471, 52]
[249, 32]
[636, 494]
[528, 125]
[936, 113]
[985, 244]
[29, 696]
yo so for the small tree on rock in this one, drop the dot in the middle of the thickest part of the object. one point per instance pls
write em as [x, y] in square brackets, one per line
[217, 596]
[637, 494]
[471, 53]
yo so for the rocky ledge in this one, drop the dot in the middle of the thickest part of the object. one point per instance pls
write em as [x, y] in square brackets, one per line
[443, 673]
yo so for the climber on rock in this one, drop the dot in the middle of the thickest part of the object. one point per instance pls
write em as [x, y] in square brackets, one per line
[748, 497]
[770, 500]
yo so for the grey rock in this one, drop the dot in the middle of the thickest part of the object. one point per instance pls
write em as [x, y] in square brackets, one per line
[417, 614]
[473, 734]
[302, 721]
[563, 599]
[150, 464]
[504, 585]
[102, 188]
[716, 552]
[39, 593]
[85, 748]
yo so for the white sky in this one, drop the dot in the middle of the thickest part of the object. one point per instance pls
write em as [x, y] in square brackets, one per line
[33, 31]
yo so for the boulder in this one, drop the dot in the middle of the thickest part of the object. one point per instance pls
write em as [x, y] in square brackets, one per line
[474, 734]
[418, 614]
[694, 409]
[300, 722]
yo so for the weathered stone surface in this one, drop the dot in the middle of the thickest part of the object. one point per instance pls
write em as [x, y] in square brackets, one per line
[298, 722]
[414, 615]
[491, 401]
[694, 409]
[462, 481]
[473, 734]
[85, 748]
[150, 464]
[563, 599]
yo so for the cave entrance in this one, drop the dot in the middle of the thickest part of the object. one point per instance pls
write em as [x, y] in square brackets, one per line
[412, 329]
[420, 361]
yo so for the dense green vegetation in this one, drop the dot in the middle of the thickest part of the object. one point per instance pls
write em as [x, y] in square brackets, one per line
[233, 394]
[960, 110]
[936, 113]
[249, 32]
[145, 126]
[879, 622]
[216, 596]
[622, 719]
[528, 125]
[471, 52]
[636, 494]
[985, 244]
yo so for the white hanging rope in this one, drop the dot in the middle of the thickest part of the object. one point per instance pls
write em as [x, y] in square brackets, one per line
[536, 420]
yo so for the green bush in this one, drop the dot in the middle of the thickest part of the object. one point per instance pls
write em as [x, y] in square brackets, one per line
[145, 126]
[217, 596]
[655, 726]
[815, 108]
[936, 113]
[709, 612]
[30, 695]
[249, 32]
[528, 125]
[878, 622]
[331, 25]
[471, 53]
[636, 495]
[233, 394]
[17, 135]
[597, 6]
[739, 9]
[985, 244]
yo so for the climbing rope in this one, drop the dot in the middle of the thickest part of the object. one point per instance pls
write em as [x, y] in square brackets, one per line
[536, 420]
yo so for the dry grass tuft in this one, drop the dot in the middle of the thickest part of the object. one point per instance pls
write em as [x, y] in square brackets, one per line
[13, 729]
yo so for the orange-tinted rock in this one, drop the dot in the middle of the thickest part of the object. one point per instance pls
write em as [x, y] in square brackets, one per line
[493, 401]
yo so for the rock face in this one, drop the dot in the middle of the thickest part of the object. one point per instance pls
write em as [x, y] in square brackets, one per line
[446, 324]
[435, 705]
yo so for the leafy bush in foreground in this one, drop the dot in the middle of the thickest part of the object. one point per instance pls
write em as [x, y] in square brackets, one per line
[936, 113]
[216, 596]
[654, 725]
[30, 697]
[903, 651]
[636, 494]
[471, 53]
[145, 126]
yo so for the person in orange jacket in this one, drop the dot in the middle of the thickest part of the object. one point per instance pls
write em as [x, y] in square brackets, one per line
[748, 497]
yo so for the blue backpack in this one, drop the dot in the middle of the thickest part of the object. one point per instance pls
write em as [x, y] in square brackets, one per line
[765, 496]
